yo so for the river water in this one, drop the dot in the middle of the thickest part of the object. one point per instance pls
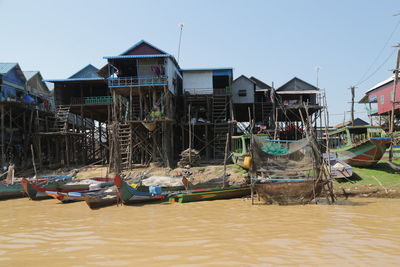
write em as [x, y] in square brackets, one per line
[225, 232]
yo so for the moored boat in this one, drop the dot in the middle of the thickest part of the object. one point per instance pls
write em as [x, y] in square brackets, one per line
[104, 198]
[359, 146]
[63, 184]
[130, 195]
[338, 168]
[8, 191]
[211, 194]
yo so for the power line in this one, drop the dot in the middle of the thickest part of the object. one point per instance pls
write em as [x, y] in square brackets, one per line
[378, 56]
[377, 69]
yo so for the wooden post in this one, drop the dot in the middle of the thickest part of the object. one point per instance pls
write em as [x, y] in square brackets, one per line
[352, 104]
[228, 134]
[391, 128]
[190, 138]
[33, 159]
[2, 135]
[130, 103]
[67, 150]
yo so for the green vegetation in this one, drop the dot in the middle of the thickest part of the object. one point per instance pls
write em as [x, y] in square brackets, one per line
[232, 168]
[200, 169]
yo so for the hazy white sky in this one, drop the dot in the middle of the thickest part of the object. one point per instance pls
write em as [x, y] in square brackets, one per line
[271, 40]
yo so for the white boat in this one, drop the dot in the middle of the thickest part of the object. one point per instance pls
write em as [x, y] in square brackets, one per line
[339, 168]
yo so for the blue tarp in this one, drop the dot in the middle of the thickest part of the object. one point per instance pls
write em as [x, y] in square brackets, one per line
[28, 99]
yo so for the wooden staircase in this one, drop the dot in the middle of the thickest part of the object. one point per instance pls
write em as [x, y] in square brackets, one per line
[220, 116]
[220, 131]
[61, 119]
[220, 105]
[125, 144]
[267, 113]
[135, 108]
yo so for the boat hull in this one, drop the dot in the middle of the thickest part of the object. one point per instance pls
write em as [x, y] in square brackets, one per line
[38, 192]
[130, 195]
[365, 154]
[97, 202]
[289, 192]
[212, 194]
[11, 191]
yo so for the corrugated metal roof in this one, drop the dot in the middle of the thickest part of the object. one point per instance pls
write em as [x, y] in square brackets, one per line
[207, 69]
[297, 84]
[30, 74]
[297, 92]
[75, 80]
[6, 67]
[388, 80]
[139, 43]
[138, 56]
[89, 71]
[245, 77]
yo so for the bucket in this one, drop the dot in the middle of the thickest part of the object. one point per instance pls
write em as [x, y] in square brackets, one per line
[155, 190]
[247, 162]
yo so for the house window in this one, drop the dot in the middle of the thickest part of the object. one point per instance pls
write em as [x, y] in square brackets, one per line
[382, 99]
[392, 96]
[242, 93]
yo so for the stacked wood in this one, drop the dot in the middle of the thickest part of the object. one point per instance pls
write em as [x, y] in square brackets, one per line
[185, 158]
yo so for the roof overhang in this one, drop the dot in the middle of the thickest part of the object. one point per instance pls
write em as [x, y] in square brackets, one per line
[303, 92]
[76, 80]
[137, 56]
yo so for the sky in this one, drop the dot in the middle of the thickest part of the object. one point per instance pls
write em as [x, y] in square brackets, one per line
[271, 40]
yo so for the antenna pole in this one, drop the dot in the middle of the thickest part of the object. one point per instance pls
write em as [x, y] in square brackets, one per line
[180, 39]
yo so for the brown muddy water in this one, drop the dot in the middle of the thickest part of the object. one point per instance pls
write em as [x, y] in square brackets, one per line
[226, 232]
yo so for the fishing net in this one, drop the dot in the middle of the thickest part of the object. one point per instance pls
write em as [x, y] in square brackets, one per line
[285, 158]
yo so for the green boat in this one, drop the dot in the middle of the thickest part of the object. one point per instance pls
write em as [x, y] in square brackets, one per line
[211, 194]
[8, 191]
[359, 146]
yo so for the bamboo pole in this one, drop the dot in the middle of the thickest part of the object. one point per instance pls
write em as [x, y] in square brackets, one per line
[391, 128]
[33, 160]
[190, 138]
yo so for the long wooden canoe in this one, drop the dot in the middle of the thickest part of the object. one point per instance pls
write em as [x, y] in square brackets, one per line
[211, 194]
[38, 192]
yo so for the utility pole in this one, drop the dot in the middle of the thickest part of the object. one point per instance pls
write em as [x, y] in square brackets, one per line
[352, 88]
[392, 115]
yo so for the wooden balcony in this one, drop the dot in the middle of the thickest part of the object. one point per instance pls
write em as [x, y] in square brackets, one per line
[138, 81]
[92, 100]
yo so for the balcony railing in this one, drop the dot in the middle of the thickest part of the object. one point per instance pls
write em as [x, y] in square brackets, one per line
[208, 91]
[138, 81]
[92, 100]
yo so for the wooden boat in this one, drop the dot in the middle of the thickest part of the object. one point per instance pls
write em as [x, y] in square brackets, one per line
[8, 191]
[359, 146]
[38, 192]
[104, 198]
[69, 197]
[16, 190]
[211, 194]
[130, 195]
[339, 169]
[288, 191]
